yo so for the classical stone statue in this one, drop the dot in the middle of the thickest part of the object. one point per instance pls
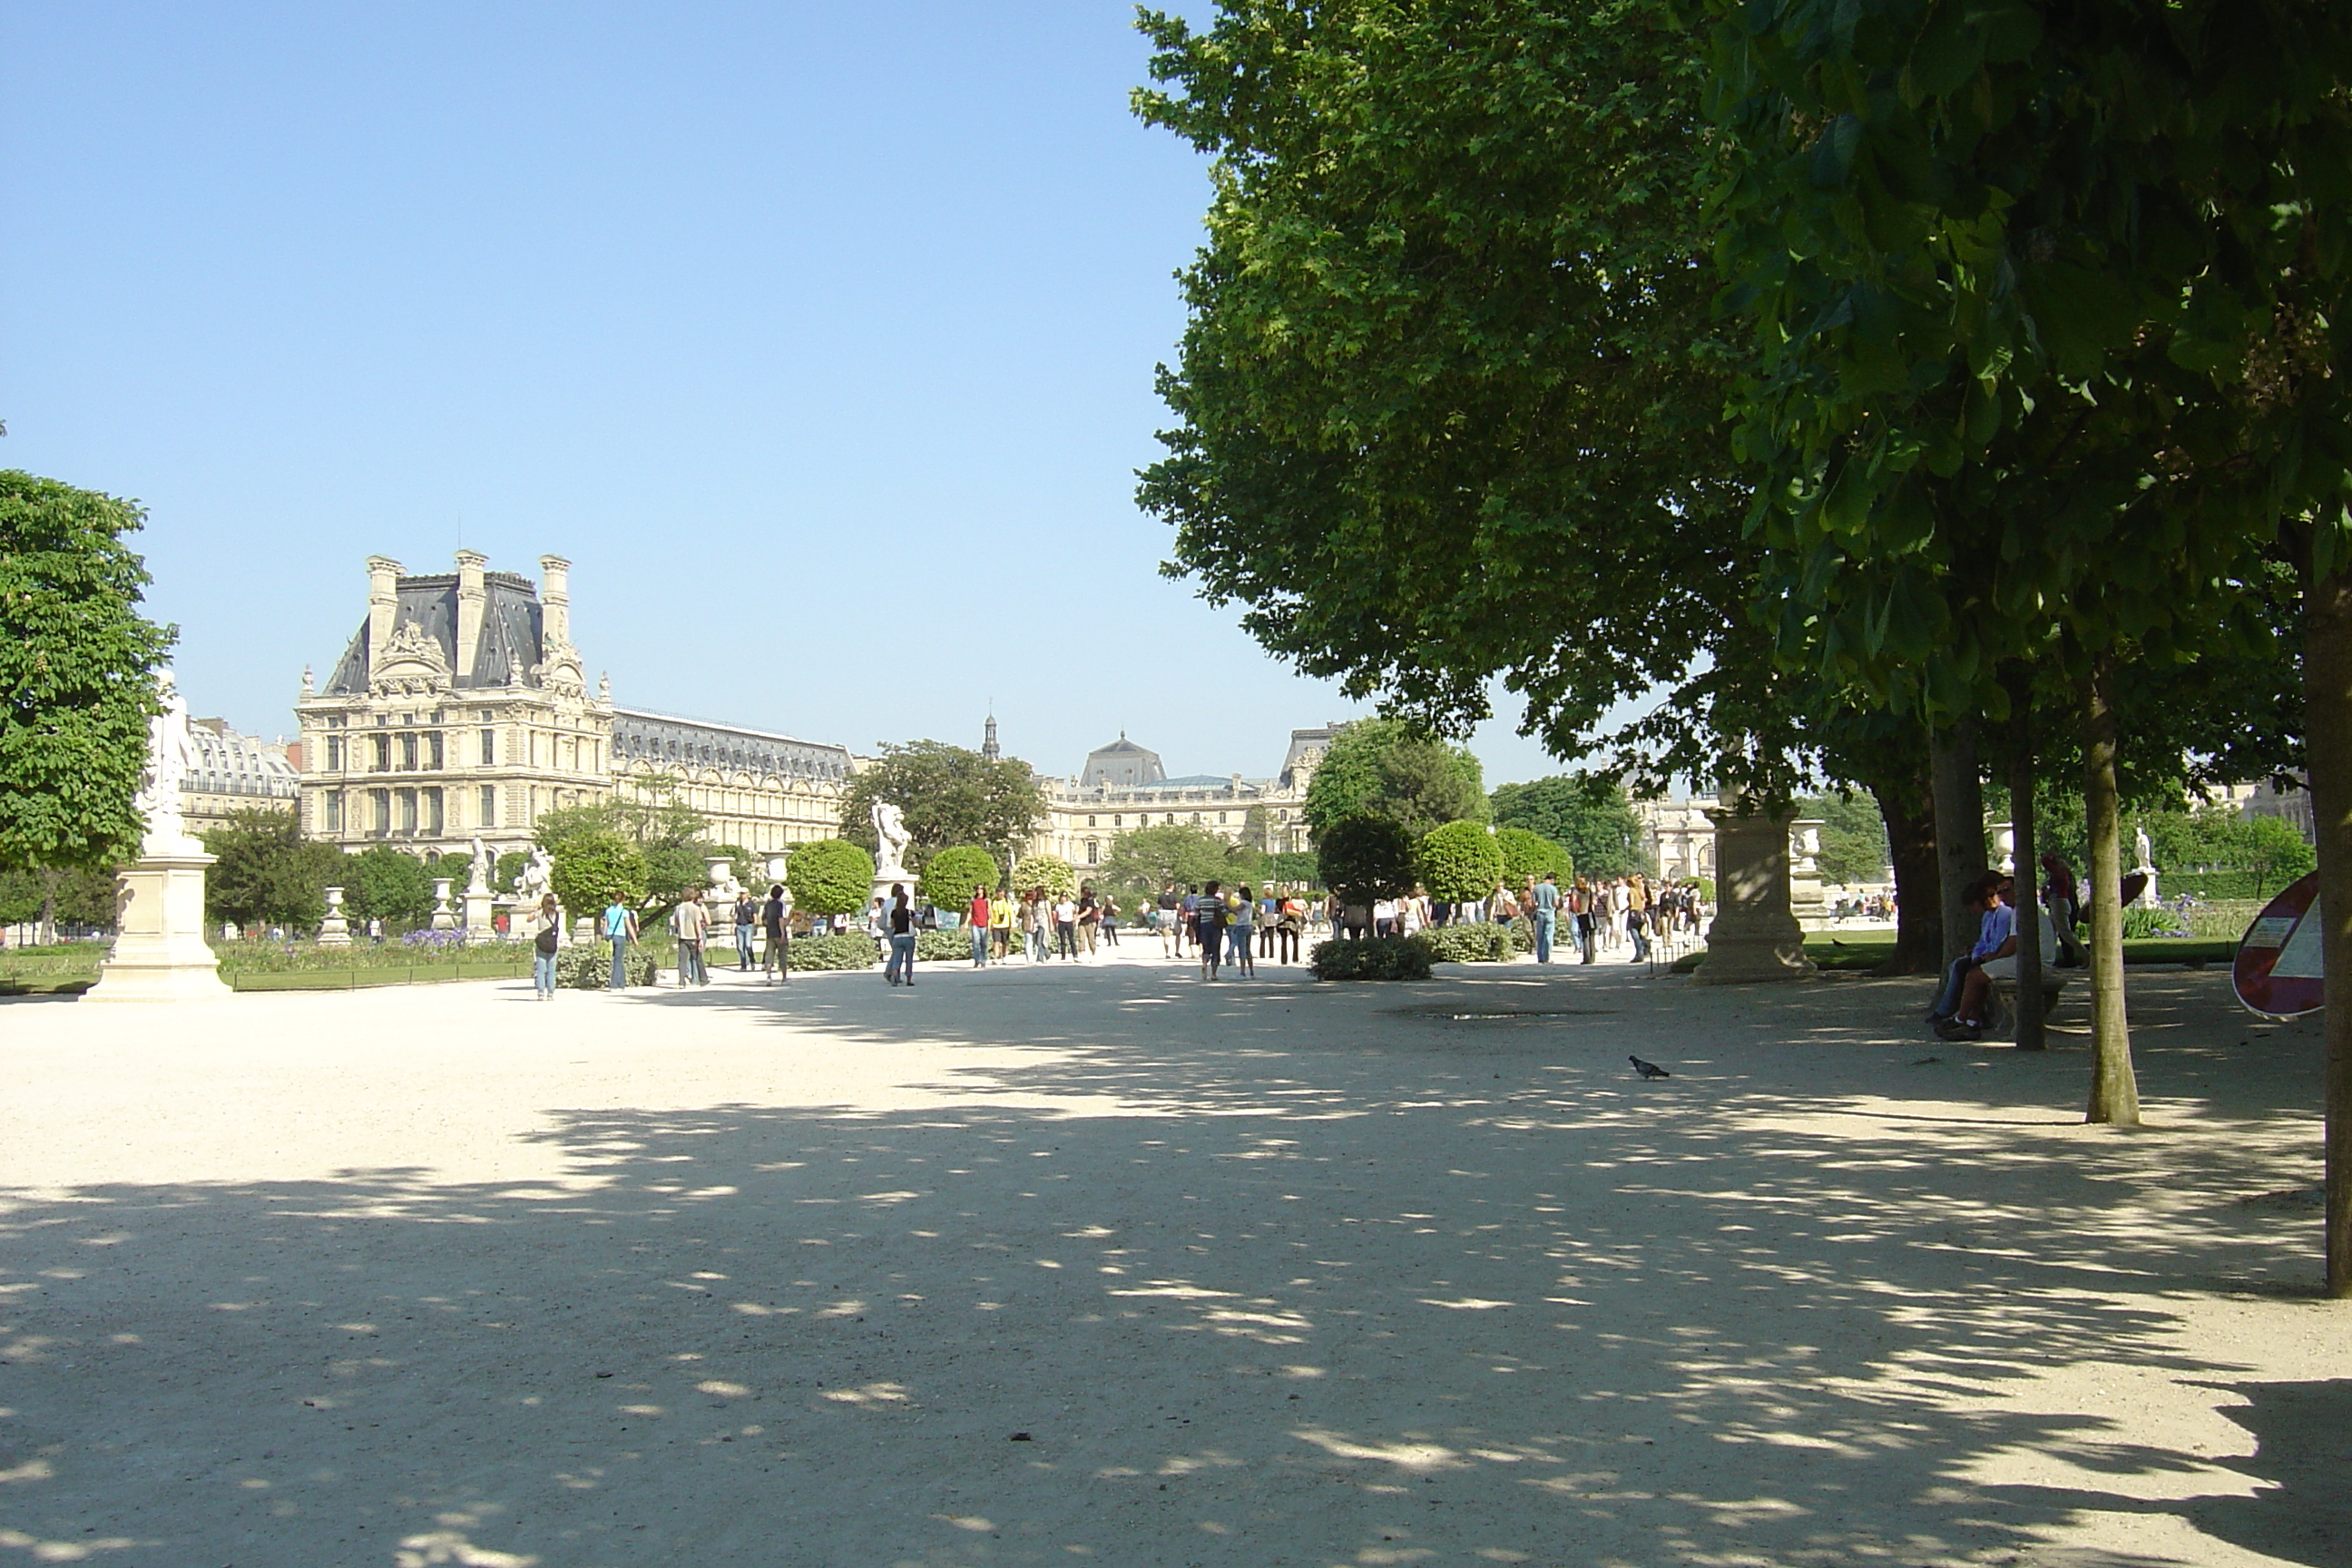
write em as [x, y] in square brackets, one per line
[2141, 848]
[168, 755]
[536, 879]
[479, 882]
[891, 839]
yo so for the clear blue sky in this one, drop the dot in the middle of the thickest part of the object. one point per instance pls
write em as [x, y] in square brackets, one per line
[820, 337]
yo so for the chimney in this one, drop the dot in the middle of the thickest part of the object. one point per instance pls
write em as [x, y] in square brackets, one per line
[473, 600]
[383, 606]
[554, 601]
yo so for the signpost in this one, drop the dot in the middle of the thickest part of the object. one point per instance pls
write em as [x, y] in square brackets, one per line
[2277, 972]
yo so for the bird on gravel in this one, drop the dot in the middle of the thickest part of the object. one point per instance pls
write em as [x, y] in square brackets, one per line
[1648, 1069]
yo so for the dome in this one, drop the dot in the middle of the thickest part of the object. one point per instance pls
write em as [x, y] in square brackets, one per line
[1122, 765]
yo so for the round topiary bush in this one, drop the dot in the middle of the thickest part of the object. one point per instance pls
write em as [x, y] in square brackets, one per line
[1528, 854]
[593, 868]
[949, 879]
[1375, 958]
[829, 877]
[851, 950]
[1050, 872]
[1366, 857]
[1460, 861]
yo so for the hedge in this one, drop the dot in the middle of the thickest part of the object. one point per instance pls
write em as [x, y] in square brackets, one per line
[1375, 958]
[1050, 872]
[1466, 944]
[851, 950]
[591, 968]
[1459, 861]
[594, 869]
[1528, 854]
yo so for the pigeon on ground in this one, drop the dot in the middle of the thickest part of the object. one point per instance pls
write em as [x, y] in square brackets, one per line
[1648, 1069]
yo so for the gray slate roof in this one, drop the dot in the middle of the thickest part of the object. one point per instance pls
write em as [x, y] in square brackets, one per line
[510, 647]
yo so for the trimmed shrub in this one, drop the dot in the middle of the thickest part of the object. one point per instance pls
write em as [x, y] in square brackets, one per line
[1366, 857]
[1466, 944]
[943, 946]
[953, 872]
[1527, 853]
[1523, 932]
[849, 950]
[591, 968]
[1050, 872]
[1459, 861]
[593, 868]
[830, 876]
[1377, 958]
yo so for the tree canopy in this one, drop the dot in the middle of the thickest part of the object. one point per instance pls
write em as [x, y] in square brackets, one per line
[1392, 768]
[1590, 818]
[1142, 860]
[78, 668]
[266, 873]
[950, 794]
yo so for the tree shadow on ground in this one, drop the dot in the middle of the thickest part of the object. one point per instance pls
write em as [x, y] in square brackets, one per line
[1252, 1286]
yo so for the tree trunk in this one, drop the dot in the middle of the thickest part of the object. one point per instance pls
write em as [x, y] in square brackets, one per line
[1960, 830]
[2114, 1093]
[2030, 1031]
[1908, 809]
[2327, 743]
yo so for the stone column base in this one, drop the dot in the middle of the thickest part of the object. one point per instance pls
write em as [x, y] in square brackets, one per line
[479, 922]
[1754, 936]
[161, 954]
[1754, 949]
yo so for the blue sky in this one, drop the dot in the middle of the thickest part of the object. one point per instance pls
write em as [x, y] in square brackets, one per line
[820, 338]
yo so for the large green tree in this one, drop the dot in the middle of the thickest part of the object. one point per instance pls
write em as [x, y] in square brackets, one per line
[77, 676]
[669, 834]
[1590, 817]
[266, 873]
[950, 795]
[1394, 769]
[390, 884]
[1142, 860]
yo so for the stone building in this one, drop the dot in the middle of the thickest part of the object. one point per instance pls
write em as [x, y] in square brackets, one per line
[1679, 837]
[230, 772]
[1123, 787]
[461, 708]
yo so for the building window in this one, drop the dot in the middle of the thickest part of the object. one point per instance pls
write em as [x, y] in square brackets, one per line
[407, 802]
[435, 821]
[433, 747]
[1221, 817]
[1094, 852]
[488, 815]
[408, 753]
[1090, 822]
[489, 748]
[1196, 817]
[383, 754]
[330, 804]
[383, 798]
[334, 754]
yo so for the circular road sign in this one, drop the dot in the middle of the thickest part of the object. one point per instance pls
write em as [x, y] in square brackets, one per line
[2277, 973]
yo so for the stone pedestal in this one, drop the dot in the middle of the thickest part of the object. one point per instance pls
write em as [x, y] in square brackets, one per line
[583, 932]
[159, 954]
[2147, 899]
[334, 931]
[1807, 902]
[886, 883]
[1754, 937]
[479, 925]
[443, 917]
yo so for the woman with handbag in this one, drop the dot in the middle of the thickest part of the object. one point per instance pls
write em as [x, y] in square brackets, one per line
[546, 936]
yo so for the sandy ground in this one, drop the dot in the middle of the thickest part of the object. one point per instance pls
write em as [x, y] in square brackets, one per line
[1103, 1266]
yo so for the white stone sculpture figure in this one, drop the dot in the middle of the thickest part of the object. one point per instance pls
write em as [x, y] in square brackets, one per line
[169, 754]
[478, 879]
[535, 881]
[891, 836]
[2141, 848]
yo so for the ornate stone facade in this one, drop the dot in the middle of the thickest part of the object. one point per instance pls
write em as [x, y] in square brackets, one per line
[461, 708]
[229, 773]
[1123, 787]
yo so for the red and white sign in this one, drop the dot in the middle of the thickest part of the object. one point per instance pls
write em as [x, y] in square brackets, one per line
[2277, 973]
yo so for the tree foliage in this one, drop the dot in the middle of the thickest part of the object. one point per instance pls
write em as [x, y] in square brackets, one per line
[1366, 857]
[1854, 839]
[596, 865]
[1391, 767]
[1142, 860]
[952, 873]
[669, 835]
[77, 676]
[1051, 872]
[1590, 817]
[829, 877]
[1529, 855]
[950, 796]
[391, 885]
[266, 873]
[1458, 861]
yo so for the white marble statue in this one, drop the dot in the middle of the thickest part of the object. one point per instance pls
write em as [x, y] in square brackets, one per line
[536, 879]
[478, 879]
[169, 752]
[890, 836]
[2141, 848]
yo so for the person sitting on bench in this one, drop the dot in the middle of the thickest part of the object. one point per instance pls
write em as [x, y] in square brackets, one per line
[1976, 988]
[1995, 938]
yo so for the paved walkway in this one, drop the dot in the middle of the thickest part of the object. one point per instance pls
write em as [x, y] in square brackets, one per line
[1097, 1264]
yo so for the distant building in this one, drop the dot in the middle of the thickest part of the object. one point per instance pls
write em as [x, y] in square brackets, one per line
[230, 772]
[460, 708]
[1123, 787]
[2291, 806]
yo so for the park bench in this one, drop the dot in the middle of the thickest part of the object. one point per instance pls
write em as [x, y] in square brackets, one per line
[2000, 1011]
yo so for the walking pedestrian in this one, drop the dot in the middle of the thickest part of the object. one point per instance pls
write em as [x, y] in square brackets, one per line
[1187, 919]
[1089, 917]
[1037, 925]
[1066, 927]
[690, 923]
[1288, 927]
[978, 917]
[1165, 916]
[999, 925]
[776, 918]
[902, 925]
[546, 936]
[1109, 920]
[1208, 929]
[620, 930]
[1241, 917]
[1637, 917]
[747, 927]
[1546, 904]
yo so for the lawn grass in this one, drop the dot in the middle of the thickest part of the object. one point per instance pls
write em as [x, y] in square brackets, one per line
[69, 969]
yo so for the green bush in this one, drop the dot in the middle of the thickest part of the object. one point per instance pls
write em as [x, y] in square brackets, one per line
[1050, 872]
[1366, 857]
[1528, 854]
[1376, 958]
[593, 868]
[830, 876]
[953, 872]
[1523, 932]
[1459, 861]
[387, 884]
[848, 951]
[591, 968]
[1466, 944]
[943, 946]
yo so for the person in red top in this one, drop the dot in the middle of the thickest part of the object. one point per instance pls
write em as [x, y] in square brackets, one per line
[978, 920]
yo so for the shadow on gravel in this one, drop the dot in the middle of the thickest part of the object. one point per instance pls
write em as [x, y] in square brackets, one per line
[1245, 1284]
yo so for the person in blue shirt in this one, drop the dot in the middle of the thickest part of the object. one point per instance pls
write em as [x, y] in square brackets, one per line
[1996, 928]
[1547, 914]
[620, 930]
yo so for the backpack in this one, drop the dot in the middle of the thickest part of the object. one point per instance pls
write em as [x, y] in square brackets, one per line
[544, 942]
